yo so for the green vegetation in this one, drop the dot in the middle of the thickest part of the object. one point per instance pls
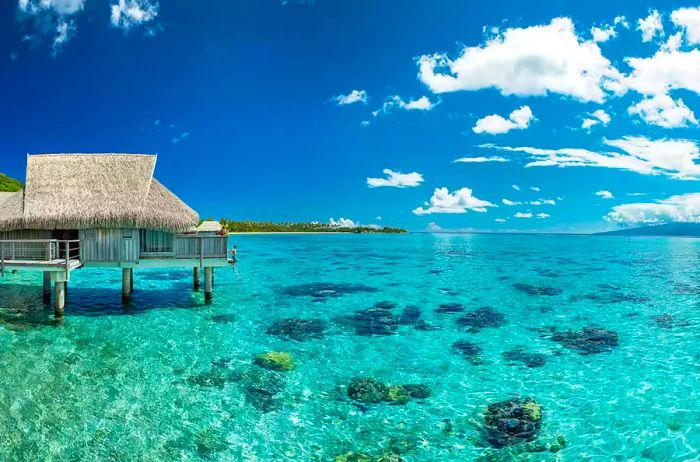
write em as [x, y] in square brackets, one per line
[8, 184]
[232, 226]
[275, 361]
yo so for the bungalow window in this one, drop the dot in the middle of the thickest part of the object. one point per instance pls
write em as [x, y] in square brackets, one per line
[156, 241]
[127, 233]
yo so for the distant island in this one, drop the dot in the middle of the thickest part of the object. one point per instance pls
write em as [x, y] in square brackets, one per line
[667, 229]
[8, 184]
[247, 226]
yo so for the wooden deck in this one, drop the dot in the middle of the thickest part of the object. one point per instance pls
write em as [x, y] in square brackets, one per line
[45, 265]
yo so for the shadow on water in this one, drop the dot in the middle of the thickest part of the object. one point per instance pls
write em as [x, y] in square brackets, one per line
[23, 306]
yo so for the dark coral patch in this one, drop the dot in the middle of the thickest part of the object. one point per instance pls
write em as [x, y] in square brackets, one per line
[323, 290]
[589, 340]
[226, 318]
[298, 329]
[410, 315]
[669, 321]
[370, 391]
[373, 321]
[528, 359]
[536, 290]
[449, 308]
[385, 305]
[512, 422]
[481, 318]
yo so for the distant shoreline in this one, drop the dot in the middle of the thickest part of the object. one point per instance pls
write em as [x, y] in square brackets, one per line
[235, 233]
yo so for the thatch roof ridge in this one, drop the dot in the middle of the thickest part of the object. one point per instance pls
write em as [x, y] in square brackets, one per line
[78, 191]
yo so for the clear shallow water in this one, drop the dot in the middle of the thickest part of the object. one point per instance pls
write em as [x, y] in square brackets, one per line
[166, 379]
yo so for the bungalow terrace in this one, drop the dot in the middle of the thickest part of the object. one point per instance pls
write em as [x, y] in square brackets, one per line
[101, 210]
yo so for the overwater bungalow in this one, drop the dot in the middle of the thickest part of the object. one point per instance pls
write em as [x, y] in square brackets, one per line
[101, 210]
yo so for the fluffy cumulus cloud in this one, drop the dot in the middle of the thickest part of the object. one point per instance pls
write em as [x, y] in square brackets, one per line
[396, 102]
[688, 19]
[480, 159]
[52, 20]
[459, 201]
[535, 60]
[664, 111]
[680, 208]
[494, 124]
[608, 31]
[396, 180]
[596, 117]
[355, 96]
[665, 71]
[542, 215]
[523, 215]
[509, 202]
[126, 14]
[673, 158]
[650, 26]
[342, 223]
[604, 194]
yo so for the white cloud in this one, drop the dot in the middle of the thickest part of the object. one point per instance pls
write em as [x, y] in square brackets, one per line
[664, 111]
[52, 19]
[598, 116]
[421, 104]
[688, 19]
[673, 43]
[681, 208]
[494, 124]
[396, 180]
[604, 194]
[665, 71]
[523, 215]
[650, 26]
[674, 158]
[432, 226]
[603, 34]
[534, 188]
[343, 223]
[608, 31]
[535, 60]
[364, 123]
[177, 139]
[543, 202]
[500, 220]
[355, 96]
[126, 14]
[542, 215]
[509, 202]
[459, 201]
[468, 160]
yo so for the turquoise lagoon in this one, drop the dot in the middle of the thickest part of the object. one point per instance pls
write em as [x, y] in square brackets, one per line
[172, 378]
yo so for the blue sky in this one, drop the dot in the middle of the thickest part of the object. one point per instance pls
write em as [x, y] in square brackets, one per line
[272, 110]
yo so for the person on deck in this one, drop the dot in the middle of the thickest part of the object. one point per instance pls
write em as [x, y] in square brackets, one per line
[233, 254]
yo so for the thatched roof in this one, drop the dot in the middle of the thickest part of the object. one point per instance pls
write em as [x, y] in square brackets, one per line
[79, 191]
[209, 226]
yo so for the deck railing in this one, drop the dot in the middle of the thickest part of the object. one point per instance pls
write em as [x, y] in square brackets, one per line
[200, 246]
[47, 251]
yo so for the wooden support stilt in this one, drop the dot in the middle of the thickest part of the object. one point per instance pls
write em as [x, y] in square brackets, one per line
[126, 284]
[197, 278]
[208, 279]
[47, 287]
[59, 298]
